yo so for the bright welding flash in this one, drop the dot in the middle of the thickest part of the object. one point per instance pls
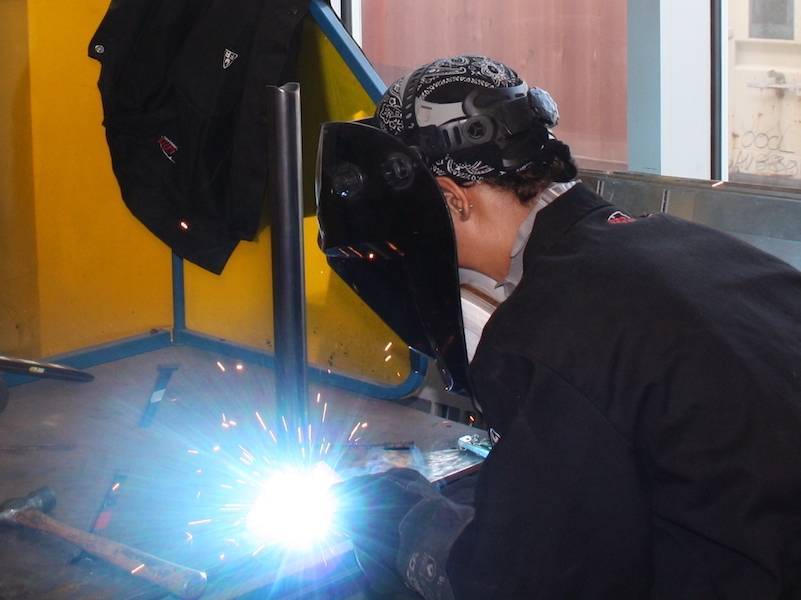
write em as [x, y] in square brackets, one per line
[295, 508]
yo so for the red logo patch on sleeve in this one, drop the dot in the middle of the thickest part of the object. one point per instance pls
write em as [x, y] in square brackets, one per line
[619, 217]
[168, 147]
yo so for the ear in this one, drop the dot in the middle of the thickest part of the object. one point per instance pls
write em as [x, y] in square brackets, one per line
[455, 197]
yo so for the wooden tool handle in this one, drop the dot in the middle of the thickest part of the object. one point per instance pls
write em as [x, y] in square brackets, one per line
[178, 580]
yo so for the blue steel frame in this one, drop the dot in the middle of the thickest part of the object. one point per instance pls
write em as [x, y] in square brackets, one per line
[355, 59]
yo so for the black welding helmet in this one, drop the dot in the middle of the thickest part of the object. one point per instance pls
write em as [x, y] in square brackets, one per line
[384, 224]
[386, 231]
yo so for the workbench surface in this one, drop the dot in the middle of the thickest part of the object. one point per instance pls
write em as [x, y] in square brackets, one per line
[144, 485]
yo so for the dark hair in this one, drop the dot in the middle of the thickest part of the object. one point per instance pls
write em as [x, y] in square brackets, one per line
[557, 165]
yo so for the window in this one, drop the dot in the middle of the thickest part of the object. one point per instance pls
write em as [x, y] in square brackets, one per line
[764, 93]
[772, 19]
[575, 49]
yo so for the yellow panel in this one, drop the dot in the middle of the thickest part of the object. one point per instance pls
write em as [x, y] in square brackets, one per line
[19, 302]
[343, 333]
[102, 275]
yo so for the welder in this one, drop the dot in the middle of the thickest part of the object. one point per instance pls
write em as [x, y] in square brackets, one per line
[640, 380]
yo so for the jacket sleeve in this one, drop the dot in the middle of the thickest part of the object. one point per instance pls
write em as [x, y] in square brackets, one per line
[560, 507]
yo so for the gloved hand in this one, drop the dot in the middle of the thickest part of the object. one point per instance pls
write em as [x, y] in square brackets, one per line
[371, 508]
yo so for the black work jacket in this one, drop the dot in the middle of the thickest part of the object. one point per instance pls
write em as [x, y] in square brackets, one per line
[183, 84]
[644, 380]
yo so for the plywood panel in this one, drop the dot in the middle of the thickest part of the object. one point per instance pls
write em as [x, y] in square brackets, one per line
[576, 49]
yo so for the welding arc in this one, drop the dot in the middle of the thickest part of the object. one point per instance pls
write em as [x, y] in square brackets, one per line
[177, 579]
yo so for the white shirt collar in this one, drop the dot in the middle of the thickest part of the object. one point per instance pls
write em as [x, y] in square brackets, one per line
[545, 198]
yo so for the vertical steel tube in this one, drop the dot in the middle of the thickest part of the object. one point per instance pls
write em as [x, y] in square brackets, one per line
[286, 206]
[178, 299]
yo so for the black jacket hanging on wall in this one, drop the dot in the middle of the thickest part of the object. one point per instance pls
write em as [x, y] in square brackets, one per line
[183, 84]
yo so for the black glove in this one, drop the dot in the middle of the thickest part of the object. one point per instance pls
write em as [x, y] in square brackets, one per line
[371, 508]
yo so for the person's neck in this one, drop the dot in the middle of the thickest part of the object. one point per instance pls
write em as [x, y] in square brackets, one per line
[494, 258]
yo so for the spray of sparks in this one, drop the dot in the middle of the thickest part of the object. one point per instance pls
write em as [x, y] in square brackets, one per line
[234, 479]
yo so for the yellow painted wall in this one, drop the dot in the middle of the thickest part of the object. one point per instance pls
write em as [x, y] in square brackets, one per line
[77, 269]
[343, 334]
[101, 275]
[19, 302]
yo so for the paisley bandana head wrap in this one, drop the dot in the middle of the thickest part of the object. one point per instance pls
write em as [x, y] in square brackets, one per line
[433, 95]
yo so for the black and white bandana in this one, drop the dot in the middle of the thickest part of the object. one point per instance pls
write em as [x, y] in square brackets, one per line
[433, 95]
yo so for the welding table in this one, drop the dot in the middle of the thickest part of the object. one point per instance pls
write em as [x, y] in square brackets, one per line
[81, 439]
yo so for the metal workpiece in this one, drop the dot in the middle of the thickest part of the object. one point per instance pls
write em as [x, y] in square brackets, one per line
[286, 209]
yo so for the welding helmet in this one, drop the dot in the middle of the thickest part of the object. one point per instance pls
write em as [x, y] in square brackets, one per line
[386, 230]
[384, 224]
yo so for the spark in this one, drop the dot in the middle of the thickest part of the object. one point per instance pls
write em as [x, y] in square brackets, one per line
[300, 436]
[387, 347]
[261, 421]
[364, 425]
[222, 556]
[718, 184]
[240, 367]
[258, 550]
[216, 448]
[388, 358]
[189, 536]
[199, 471]
[272, 435]
[283, 420]
[191, 451]
[184, 225]
[200, 522]
[355, 429]
[325, 410]
[137, 569]
[371, 256]
[247, 453]
[232, 423]
[221, 366]
[115, 487]
[318, 397]
[398, 374]
[309, 437]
